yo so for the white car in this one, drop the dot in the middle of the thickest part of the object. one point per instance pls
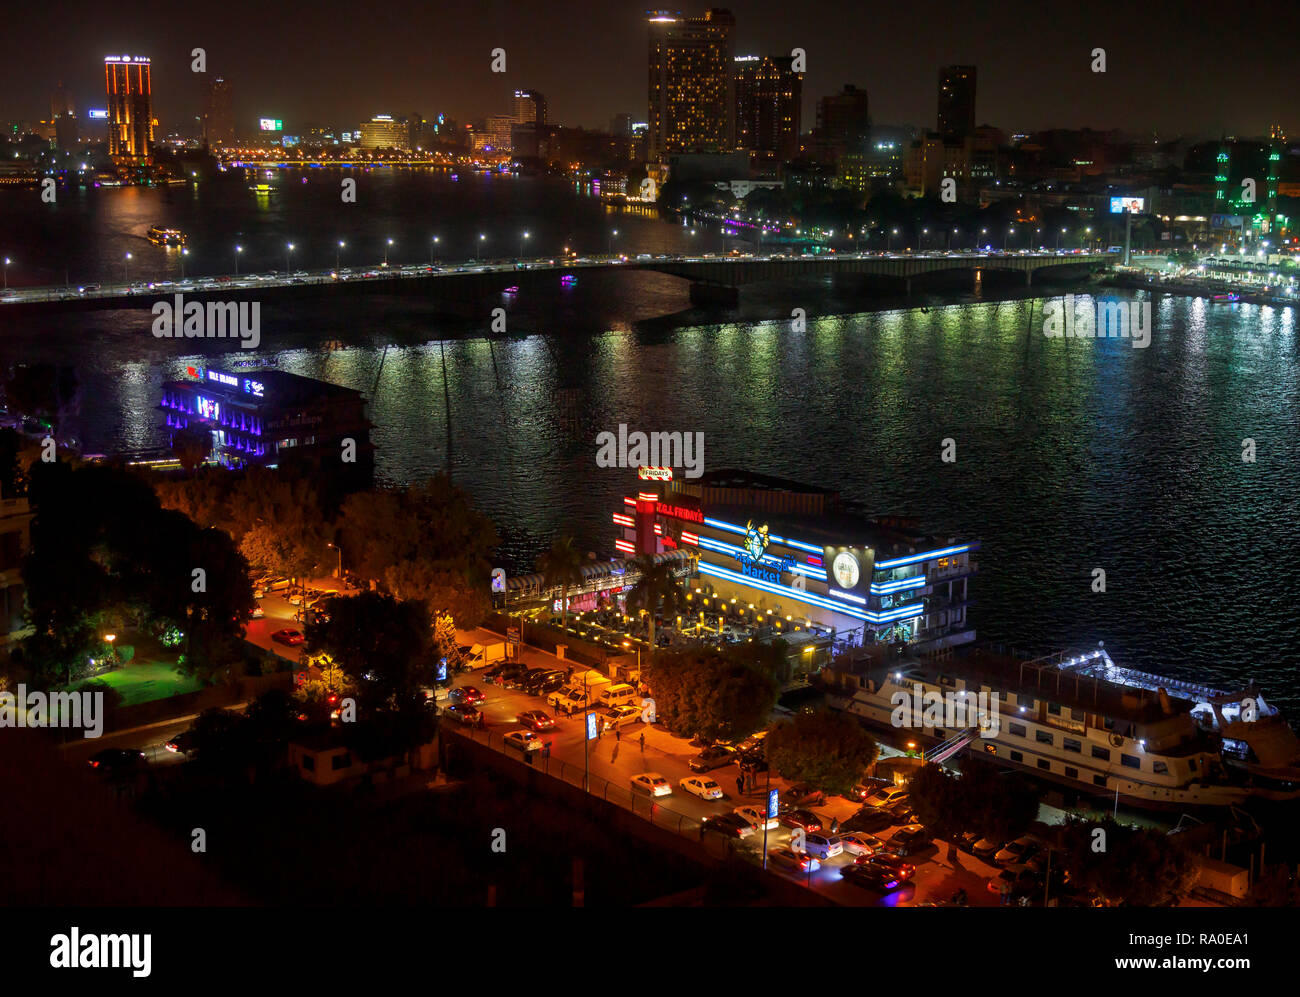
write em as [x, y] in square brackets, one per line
[823, 846]
[885, 796]
[702, 786]
[757, 818]
[620, 716]
[652, 784]
[523, 740]
[857, 843]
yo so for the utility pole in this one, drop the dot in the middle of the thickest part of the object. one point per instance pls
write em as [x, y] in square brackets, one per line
[1128, 235]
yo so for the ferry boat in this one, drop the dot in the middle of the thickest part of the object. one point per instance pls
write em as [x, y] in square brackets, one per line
[1226, 299]
[1082, 721]
[166, 236]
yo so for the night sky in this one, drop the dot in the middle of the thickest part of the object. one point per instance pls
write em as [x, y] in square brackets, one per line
[1175, 67]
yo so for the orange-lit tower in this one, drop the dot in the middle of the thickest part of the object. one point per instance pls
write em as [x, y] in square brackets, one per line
[130, 106]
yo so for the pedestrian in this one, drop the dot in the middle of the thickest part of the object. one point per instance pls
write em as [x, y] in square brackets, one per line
[835, 825]
[740, 785]
[643, 742]
[618, 733]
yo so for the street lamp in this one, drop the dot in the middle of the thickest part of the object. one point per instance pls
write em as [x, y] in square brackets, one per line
[340, 550]
[238, 250]
[924, 233]
[287, 250]
[1088, 230]
[954, 232]
[890, 246]
[7, 262]
[1058, 239]
[612, 236]
[431, 247]
[1009, 233]
[337, 252]
[126, 269]
[478, 250]
[390, 242]
[522, 239]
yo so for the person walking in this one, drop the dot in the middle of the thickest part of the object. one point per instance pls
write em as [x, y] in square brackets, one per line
[740, 785]
[618, 734]
[643, 742]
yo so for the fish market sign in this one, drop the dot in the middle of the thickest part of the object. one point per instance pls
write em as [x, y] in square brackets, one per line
[754, 560]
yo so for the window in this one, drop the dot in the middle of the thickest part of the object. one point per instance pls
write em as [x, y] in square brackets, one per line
[1071, 773]
[1017, 729]
[1159, 768]
[1054, 709]
[1130, 761]
[1070, 744]
[1099, 780]
[1044, 737]
[1016, 756]
[309, 763]
[1102, 753]
[1043, 763]
[991, 749]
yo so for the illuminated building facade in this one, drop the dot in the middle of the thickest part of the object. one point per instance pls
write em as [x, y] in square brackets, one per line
[218, 113]
[791, 552]
[769, 98]
[129, 89]
[383, 131]
[692, 101]
[271, 417]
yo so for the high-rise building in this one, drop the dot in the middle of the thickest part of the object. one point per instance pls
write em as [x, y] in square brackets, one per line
[769, 97]
[63, 118]
[130, 106]
[528, 127]
[956, 100]
[692, 86]
[218, 113]
[383, 132]
[844, 121]
[621, 125]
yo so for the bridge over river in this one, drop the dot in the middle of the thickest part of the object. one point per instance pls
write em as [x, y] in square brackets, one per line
[714, 280]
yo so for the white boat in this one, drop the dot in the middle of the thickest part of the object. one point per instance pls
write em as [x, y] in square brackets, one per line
[1082, 721]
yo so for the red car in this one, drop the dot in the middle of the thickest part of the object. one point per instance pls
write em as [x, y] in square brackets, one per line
[466, 694]
[805, 819]
[889, 862]
[291, 637]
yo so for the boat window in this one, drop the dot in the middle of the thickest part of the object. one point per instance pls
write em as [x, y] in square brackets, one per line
[1099, 780]
[1054, 709]
[1131, 761]
[1016, 756]
[1102, 753]
[1159, 768]
[1070, 744]
[1044, 737]
[1017, 729]
[1071, 773]
[1043, 763]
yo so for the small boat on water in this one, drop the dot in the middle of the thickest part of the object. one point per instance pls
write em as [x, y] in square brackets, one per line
[160, 236]
[1225, 299]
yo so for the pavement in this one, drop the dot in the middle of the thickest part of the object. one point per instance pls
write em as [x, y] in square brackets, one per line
[610, 762]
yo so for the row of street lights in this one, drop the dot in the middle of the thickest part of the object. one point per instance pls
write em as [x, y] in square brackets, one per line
[1011, 230]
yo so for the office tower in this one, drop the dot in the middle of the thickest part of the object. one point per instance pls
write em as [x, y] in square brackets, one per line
[844, 121]
[692, 98]
[769, 96]
[383, 132]
[528, 123]
[415, 130]
[63, 118]
[621, 125]
[956, 100]
[130, 106]
[218, 113]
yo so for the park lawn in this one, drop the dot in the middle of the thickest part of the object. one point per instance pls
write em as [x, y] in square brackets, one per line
[145, 681]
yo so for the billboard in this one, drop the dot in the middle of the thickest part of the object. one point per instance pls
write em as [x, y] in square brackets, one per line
[97, 115]
[271, 124]
[1119, 205]
[848, 570]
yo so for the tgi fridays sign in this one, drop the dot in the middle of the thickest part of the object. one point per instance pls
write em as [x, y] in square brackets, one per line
[655, 473]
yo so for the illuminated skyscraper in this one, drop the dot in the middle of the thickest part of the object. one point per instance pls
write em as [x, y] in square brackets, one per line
[769, 98]
[218, 113]
[692, 91]
[130, 106]
[956, 100]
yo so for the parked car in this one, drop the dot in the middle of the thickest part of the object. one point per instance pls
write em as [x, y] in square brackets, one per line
[532, 682]
[966, 842]
[712, 758]
[290, 637]
[900, 812]
[523, 740]
[500, 673]
[466, 694]
[802, 795]
[702, 786]
[536, 720]
[796, 861]
[986, 848]
[886, 795]
[869, 820]
[462, 713]
[549, 683]
[182, 743]
[1020, 850]
[757, 818]
[824, 846]
[909, 838]
[858, 843]
[652, 784]
[728, 825]
[892, 862]
[805, 819]
[1011, 879]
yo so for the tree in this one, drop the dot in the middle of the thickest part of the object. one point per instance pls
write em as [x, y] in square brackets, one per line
[711, 693]
[44, 391]
[381, 643]
[191, 445]
[998, 805]
[830, 751]
[937, 799]
[1139, 866]
[657, 584]
[562, 566]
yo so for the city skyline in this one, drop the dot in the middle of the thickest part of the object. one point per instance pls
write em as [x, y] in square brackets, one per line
[275, 71]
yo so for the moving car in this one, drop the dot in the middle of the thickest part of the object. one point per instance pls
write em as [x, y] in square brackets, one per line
[115, 760]
[796, 861]
[872, 877]
[290, 637]
[728, 825]
[702, 786]
[182, 743]
[620, 716]
[466, 694]
[462, 713]
[1013, 877]
[889, 862]
[805, 819]
[869, 820]
[536, 720]
[823, 846]
[258, 612]
[757, 818]
[523, 740]
[652, 784]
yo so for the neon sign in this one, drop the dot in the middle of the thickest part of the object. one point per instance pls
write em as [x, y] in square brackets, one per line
[655, 473]
[679, 512]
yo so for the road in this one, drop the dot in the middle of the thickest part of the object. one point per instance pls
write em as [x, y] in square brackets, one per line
[614, 762]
